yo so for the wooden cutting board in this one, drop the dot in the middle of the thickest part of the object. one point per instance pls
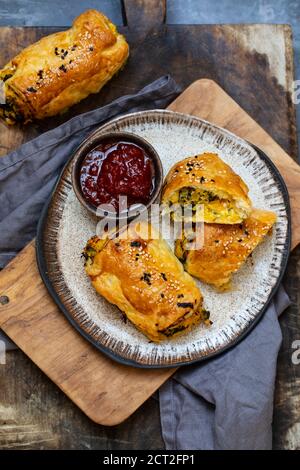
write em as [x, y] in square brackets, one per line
[105, 390]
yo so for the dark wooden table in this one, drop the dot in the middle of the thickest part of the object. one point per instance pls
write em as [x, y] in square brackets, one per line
[254, 64]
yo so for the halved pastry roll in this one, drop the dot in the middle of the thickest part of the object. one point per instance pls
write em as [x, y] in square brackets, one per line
[60, 70]
[206, 180]
[225, 248]
[143, 277]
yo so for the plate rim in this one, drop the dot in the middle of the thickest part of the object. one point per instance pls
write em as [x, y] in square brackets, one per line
[42, 264]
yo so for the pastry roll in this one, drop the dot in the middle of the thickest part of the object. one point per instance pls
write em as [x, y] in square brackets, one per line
[205, 180]
[60, 70]
[141, 275]
[225, 248]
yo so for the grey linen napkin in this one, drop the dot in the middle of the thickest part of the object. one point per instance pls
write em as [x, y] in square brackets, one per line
[28, 175]
[227, 402]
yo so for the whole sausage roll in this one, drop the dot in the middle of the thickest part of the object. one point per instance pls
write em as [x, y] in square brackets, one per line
[60, 70]
[225, 248]
[141, 275]
[205, 180]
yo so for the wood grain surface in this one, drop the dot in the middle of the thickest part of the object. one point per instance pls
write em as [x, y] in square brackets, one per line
[223, 53]
[33, 412]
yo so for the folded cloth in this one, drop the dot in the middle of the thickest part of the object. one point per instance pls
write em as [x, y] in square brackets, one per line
[226, 402]
[28, 175]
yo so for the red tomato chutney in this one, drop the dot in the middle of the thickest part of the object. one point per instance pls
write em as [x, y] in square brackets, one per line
[114, 169]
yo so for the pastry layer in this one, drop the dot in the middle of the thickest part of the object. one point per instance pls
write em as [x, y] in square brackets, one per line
[225, 248]
[61, 69]
[141, 275]
[208, 181]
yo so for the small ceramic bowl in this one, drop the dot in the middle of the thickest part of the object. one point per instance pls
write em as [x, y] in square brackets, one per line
[91, 143]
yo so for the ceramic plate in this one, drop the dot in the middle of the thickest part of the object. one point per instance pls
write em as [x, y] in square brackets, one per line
[66, 226]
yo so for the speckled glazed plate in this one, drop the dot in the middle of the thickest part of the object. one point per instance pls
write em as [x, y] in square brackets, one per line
[66, 226]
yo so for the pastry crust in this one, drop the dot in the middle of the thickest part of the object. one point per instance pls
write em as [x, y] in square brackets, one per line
[141, 275]
[60, 70]
[208, 181]
[225, 248]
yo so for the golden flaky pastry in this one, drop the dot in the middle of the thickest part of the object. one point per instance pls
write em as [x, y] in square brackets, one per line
[60, 70]
[225, 248]
[206, 180]
[142, 276]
